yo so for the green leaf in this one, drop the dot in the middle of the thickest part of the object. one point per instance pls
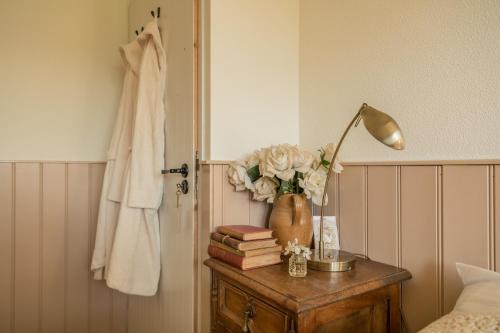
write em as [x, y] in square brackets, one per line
[253, 173]
[322, 154]
[285, 187]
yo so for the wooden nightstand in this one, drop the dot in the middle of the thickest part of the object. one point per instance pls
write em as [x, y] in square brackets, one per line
[365, 299]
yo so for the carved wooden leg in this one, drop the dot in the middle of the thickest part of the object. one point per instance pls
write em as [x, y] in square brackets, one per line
[395, 313]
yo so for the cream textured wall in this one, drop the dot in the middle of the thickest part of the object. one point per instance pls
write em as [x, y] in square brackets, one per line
[60, 77]
[252, 76]
[433, 65]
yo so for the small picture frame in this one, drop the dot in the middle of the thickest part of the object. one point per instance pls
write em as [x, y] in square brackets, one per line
[331, 232]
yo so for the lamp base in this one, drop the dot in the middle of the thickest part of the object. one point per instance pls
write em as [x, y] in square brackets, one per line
[333, 261]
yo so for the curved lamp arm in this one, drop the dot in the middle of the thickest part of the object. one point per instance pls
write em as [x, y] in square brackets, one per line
[354, 120]
[383, 128]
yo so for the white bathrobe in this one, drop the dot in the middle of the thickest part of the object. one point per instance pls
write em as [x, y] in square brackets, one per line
[117, 158]
[129, 249]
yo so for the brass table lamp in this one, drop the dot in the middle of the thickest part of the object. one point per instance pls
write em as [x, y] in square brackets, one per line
[383, 128]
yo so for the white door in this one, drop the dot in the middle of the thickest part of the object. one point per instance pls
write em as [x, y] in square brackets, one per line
[173, 310]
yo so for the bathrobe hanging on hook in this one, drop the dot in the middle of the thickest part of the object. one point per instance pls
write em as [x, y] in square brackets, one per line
[117, 159]
[132, 263]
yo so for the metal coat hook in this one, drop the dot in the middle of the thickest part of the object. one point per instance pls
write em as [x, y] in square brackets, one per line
[158, 11]
[137, 31]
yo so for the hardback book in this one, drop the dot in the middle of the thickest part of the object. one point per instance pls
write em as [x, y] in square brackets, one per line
[245, 232]
[244, 263]
[247, 253]
[243, 245]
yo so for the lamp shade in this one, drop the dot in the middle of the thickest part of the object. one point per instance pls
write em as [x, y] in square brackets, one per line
[383, 128]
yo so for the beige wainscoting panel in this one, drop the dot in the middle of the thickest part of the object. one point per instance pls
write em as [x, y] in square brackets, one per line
[53, 247]
[220, 205]
[205, 217]
[259, 213]
[119, 312]
[352, 209]
[352, 216]
[233, 202]
[48, 216]
[419, 243]
[6, 246]
[100, 296]
[465, 224]
[216, 191]
[496, 225]
[382, 197]
[27, 248]
[144, 315]
[77, 273]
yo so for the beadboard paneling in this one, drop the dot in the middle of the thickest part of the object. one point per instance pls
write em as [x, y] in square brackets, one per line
[220, 205]
[48, 215]
[54, 247]
[423, 216]
[27, 240]
[382, 197]
[465, 224]
[419, 243]
[352, 212]
[496, 210]
[6, 247]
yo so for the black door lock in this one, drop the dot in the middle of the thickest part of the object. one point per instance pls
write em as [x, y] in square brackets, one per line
[183, 187]
[183, 170]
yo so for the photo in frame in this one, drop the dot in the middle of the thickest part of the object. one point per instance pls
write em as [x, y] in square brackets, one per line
[331, 232]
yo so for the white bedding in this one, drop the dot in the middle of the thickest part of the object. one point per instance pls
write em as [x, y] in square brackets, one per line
[459, 322]
[478, 307]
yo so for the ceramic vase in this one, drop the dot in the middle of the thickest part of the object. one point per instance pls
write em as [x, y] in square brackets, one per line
[291, 218]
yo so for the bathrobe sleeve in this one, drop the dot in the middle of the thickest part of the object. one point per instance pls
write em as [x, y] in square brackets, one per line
[148, 142]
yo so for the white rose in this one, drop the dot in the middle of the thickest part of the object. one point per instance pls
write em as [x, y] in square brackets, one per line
[313, 185]
[252, 160]
[237, 176]
[302, 160]
[329, 151]
[265, 189]
[277, 161]
[316, 163]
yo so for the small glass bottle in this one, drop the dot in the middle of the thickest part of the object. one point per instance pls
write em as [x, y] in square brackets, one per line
[297, 265]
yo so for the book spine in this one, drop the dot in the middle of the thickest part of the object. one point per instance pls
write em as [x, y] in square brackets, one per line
[227, 248]
[226, 240]
[231, 232]
[228, 257]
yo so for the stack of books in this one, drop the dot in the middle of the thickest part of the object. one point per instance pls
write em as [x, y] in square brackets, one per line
[244, 246]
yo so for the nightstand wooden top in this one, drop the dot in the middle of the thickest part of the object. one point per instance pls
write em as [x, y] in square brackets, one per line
[317, 288]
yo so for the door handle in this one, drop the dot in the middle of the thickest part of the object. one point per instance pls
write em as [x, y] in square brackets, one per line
[183, 170]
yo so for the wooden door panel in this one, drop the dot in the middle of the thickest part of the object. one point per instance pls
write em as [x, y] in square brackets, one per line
[178, 229]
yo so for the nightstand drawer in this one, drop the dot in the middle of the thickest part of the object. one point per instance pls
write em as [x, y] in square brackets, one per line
[232, 304]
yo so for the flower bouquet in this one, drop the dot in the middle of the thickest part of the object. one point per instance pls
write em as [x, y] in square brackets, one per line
[283, 169]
